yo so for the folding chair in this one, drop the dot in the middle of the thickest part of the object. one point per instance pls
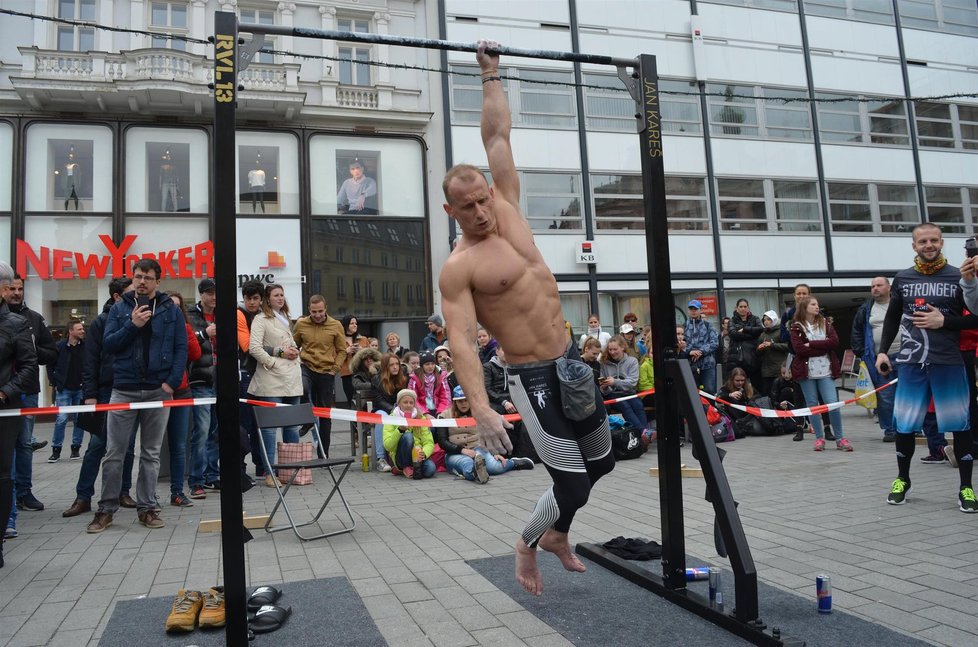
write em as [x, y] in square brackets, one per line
[301, 414]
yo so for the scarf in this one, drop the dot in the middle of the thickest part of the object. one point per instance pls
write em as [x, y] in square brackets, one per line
[931, 267]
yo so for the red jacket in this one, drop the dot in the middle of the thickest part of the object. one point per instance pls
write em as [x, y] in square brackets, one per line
[815, 348]
[193, 353]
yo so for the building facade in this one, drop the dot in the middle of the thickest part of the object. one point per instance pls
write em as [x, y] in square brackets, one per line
[765, 187]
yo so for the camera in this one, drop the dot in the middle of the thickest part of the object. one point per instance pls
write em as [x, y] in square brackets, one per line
[971, 247]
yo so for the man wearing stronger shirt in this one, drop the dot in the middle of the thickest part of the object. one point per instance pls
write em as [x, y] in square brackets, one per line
[930, 361]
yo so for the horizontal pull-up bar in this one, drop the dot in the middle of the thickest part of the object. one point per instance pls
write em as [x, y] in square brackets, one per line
[427, 43]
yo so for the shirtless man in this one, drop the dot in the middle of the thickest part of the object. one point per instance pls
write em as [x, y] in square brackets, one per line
[497, 276]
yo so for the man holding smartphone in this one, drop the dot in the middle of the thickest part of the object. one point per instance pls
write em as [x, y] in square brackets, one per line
[930, 361]
[147, 333]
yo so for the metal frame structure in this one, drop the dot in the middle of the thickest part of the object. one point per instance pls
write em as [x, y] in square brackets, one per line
[675, 386]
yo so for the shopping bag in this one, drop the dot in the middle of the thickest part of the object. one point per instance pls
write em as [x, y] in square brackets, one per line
[295, 453]
[863, 386]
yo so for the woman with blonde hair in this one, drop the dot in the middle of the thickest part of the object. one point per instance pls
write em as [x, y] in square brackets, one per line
[278, 376]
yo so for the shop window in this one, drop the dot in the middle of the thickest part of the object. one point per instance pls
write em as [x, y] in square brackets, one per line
[166, 170]
[366, 176]
[268, 173]
[69, 168]
[170, 18]
[6, 165]
[76, 38]
[353, 66]
[192, 257]
[355, 294]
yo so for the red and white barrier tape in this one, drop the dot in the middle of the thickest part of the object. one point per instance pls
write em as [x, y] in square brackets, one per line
[791, 413]
[348, 415]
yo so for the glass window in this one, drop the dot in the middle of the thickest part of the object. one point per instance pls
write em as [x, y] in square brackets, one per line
[69, 168]
[403, 293]
[366, 176]
[686, 204]
[945, 208]
[973, 199]
[76, 38]
[849, 207]
[6, 167]
[796, 206]
[879, 11]
[953, 16]
[169, 17]
[898, 207]
[839, 121]
[888, 122]
[353, 70]
[260, 17]
[608, 108]
[167, 170]
[680, 111]
[787, 119]
[68, 289]
[742, 205]
[618, 202]
[546, 105]
[552, 200]
[733, 110]
[934, 125]
[968, 124]
[268, 173]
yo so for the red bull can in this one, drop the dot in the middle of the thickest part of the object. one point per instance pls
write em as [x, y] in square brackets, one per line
[698, 573]
[823, 589]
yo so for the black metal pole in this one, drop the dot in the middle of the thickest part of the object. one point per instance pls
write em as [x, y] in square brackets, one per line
[663, 325]
[223, 226]
[428, 43]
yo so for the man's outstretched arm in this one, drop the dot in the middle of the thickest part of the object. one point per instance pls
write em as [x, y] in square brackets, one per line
[496, 125]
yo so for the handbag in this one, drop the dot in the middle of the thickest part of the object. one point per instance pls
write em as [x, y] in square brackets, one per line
[626, 443]
[295, 453]
[93, 422]
[576, 381]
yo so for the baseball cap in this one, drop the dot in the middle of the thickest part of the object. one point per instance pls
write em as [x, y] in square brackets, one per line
[695, 303]
[206, 286]
[626, 328]
[458, 393]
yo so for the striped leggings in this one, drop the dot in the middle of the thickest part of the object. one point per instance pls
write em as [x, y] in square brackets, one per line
[575, 453]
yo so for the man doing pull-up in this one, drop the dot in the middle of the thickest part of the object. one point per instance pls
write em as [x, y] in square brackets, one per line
[496, 276]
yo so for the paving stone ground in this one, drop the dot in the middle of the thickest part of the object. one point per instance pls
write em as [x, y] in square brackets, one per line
[911, 568]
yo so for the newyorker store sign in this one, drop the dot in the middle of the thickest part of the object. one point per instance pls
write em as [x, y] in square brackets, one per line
[192, 262]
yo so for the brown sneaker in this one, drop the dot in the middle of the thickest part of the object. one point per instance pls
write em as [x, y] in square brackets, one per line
[183, 616]
[101, 521]
[127, 501]
[213, 614]
[80, 506]
[151, 519]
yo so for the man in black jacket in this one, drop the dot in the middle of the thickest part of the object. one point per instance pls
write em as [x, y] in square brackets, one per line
[65, 376]
[46, 353]
[18, 374]
[204, 450]
[97, 389]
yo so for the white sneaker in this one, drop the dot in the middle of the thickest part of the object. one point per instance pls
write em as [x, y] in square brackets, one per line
[383, 465]
[949, 454]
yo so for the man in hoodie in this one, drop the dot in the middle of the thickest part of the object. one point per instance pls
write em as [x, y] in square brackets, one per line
[47, 353]
[147, 333]
[322, 348]
[867, 331]
[204, 449]
[97, 389]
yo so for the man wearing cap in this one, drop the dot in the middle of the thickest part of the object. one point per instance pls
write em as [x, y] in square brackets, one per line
[204, 448]
[497, 275]
[322, 349]
[702, 340]
[436, 335]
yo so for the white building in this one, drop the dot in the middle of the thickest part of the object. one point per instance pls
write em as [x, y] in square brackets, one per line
[760, 198]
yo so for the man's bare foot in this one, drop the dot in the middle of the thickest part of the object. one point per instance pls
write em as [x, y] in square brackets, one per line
[527, 573]
[556, 542]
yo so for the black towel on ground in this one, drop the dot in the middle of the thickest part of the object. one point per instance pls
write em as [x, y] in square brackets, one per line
[634, 548]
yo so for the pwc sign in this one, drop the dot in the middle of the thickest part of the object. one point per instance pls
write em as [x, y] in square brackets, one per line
[196, 261]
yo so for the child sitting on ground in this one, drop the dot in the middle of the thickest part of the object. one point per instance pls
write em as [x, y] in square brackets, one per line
[786, 395]
[464, 456]
[409, 447]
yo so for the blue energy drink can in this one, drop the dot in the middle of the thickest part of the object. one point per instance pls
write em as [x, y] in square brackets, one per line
[698, 573]
[823, 589]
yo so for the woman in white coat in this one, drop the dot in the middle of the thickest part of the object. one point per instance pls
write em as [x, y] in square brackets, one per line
[278, 377]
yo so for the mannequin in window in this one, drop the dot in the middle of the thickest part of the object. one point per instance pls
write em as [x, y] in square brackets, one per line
[71, 177]
[168, 184]
[358, 194]
[256, 180]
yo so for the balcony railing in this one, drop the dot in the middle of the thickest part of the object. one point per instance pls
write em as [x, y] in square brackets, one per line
[356, 97]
